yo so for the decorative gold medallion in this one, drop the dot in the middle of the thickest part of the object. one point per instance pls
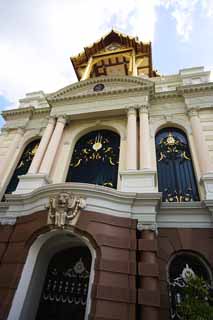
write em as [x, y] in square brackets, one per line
[97, 145]
[170, 140]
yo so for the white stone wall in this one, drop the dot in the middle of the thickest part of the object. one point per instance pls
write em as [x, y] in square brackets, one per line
[169, 98]
[206, 117]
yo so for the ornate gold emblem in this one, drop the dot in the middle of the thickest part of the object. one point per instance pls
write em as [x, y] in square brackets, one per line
[97, 145]
[170, 140]
[63, 208]
[98, 148]
[171, 147]
[33, 152]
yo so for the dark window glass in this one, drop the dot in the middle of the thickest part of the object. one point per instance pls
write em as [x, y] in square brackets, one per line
[176, 178]
[64, 294]
[95, 159]
[181, 267]
[23, 165]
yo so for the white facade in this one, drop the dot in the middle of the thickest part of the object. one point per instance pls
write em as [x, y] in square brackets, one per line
[134, 107]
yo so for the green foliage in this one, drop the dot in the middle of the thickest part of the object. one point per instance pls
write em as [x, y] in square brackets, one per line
[196, 299]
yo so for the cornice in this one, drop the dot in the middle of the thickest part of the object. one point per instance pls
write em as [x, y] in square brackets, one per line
[99, 199]
[96, 95]
[18, 111]
[113, 202]
[83, 84]
[42, 110]
[21, 111]
[195, 88]
[166, 94]
[184, 215]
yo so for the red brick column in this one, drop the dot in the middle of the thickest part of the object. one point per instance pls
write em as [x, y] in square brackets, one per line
[148, 275]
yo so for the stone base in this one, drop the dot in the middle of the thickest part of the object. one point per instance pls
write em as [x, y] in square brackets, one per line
[29, 182]
[207, 181]
[139, 181]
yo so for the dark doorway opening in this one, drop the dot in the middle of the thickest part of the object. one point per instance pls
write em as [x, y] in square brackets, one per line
[64, 294]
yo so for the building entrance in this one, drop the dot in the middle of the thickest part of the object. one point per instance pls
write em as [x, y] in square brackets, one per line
[64, 294]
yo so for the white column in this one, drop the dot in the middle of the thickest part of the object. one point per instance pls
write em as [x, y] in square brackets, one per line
[145, 156]
[42, 146]
[50, 154]
[11, 152]
[200, 143]
[87, 70]
[131, 139]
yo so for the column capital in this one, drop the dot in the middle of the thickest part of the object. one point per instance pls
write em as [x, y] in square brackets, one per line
[51, 119]
[21, 130]
[146, 227]
[132, 110]
[62, 119]
[143, 108]
[193, 112]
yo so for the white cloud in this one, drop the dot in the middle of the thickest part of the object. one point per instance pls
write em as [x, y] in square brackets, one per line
[38, 37]
[208, 7]
[182, 11]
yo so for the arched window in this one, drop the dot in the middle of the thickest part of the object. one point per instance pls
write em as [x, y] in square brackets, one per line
[182, 266]
[64, 294]
[95, 159]
[23, 165]
[176, 178]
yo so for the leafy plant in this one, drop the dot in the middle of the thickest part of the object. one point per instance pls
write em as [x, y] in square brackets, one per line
[196, 302]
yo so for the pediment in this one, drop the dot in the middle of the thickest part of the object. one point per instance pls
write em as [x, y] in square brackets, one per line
[101, 85]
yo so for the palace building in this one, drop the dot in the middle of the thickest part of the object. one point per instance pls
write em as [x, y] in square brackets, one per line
[106, 190]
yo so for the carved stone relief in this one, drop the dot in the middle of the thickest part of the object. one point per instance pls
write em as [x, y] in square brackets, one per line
[64, 208]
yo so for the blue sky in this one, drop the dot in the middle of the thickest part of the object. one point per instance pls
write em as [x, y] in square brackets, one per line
[38, 37]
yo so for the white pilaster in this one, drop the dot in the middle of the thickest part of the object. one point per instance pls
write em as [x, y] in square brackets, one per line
[11, 153]
[200, 143]
[50, 154]
[131, 139]
[145, 152]
[202, 153]
[42, 147]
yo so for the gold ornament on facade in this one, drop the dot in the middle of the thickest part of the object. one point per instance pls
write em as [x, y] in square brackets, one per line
[97, 145]
[171, 146]
[63, 208]
[170, 140]
[28, 156]
[33, 152]
[97, 148]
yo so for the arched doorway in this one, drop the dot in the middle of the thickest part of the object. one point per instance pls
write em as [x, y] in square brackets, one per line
[64, 294]
[68, 252]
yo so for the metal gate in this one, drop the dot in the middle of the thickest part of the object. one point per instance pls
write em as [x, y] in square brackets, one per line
[64, 294]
